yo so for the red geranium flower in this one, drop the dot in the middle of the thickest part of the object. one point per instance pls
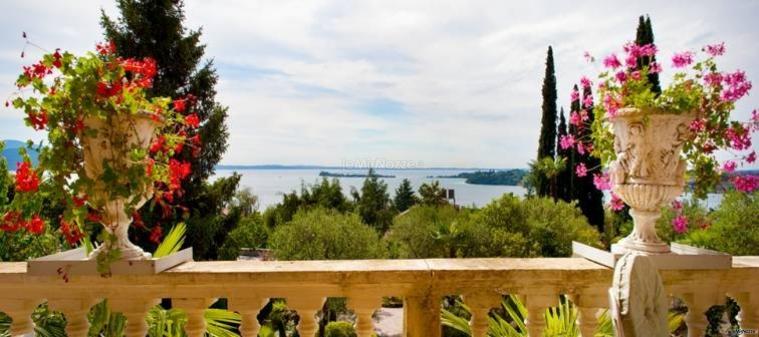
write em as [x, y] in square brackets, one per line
[71, 233]
[156, 234]
[157, 144]
[38, 120]
[26, 179]
[192, 121]
[180, 105]
[178, 171]
[36, 225]
[11, 222]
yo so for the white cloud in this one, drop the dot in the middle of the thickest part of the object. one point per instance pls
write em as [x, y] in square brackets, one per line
[297, 75]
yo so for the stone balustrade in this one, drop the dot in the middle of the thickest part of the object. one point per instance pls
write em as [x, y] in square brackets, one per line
[421, 283]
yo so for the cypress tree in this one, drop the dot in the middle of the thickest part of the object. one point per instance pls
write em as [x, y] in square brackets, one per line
[564, 186]
[589, 197]
[154, 28]
[547, 142]
[644, 34]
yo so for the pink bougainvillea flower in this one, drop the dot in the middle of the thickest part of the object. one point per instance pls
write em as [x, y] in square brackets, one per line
[677, 205]
[612, 62]
[611, 105]
[654, 68]
[697, 125]
[680, 60]
[680, 224]
[635, 75]
[746, 183]
[713, 79]
[621, 77]
[751, 157]
[587, 102]
[729, 166]
[566, 141]
[715, 49]
[647, 50]
[631, 61]
[739, 138]
[616, 204]
[602, 181]
[737, 86]
[581, 170]
[585, 82]
[575, 95]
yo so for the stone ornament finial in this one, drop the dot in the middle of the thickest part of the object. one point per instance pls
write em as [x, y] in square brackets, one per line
[638, 303]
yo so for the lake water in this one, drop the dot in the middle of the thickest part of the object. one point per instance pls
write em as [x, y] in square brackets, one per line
[270, 184]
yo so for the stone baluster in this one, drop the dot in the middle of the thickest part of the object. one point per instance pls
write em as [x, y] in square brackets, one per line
[134, 310]
[698, 304]
[480, 304]
[21, 313]
[75, 311]
[421, 316]
[307, 307]
[588, 306]
[195, 309]
[536, 305]
[248, 307]
[749, 314]
[364, 307]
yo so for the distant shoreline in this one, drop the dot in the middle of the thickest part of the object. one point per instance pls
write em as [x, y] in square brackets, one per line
[351, 175]
[319, 167]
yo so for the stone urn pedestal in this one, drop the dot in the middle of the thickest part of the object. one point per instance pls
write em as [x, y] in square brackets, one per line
[103, 149]
[649, 174]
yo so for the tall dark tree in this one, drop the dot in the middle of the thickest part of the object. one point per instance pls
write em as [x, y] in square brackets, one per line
[404, 196]
[373, 204]
[547, 141]
[590, 199]
[645, 35]
[564, 180]
[154, 28]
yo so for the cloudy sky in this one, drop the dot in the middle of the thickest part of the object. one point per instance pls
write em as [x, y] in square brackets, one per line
[432, 83]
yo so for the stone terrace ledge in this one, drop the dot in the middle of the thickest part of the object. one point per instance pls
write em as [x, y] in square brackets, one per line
[421, 283]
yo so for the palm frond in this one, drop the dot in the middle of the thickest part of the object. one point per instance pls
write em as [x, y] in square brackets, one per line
[452, 321]
[5, 320]
[172, 242]
[222, 323]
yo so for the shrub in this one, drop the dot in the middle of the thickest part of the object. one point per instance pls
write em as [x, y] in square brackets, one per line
[534, 226]
[413, 232]
[250, 233]
[734, 228]
[325, 234]
[340, 329]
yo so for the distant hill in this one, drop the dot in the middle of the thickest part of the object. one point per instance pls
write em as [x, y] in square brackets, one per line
[10, 152]
[509, 177]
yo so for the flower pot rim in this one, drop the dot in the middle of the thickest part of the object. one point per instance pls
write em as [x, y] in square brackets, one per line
[632, 111]
[156, 118]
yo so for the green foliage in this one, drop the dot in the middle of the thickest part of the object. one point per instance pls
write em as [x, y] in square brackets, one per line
[250, 233]
[546, 227]
[547, 142]
[104, 323]
[404, 196]
[545, 173]
[166, 322]
[734, 228]
[173, 241]
[340, 329]
[325, 234]
[373, 204]
[432, 194]
[327, 194]
[222, 323]
[418, 233]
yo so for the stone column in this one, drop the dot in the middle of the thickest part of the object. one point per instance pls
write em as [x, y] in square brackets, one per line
[195, 309]
[21, 313]
[421, 316]
[536, 311]
[134, 310]
[364, 308]
[481, 303]
[698, 304]
[307, 308]
[248, 309]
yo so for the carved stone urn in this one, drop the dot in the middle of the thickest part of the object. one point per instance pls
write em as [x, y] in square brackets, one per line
[648, 172]
[119, 132]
